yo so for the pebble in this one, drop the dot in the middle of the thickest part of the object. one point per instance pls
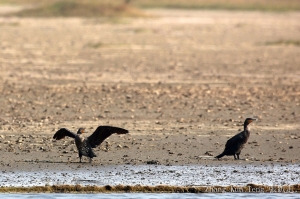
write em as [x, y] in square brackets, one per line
[152, 162]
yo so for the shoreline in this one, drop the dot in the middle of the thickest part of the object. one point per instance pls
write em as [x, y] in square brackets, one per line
[249, 188]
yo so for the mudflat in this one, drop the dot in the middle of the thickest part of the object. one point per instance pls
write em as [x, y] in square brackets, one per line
[182, 83]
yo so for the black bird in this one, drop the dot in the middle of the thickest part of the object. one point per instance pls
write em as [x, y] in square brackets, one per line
[85, 144]
[235, 144]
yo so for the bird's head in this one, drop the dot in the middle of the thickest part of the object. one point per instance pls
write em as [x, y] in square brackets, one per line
[80, 131]
[249, 120]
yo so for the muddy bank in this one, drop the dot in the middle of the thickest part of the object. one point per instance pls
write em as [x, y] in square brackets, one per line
[182, 83]
[250, 188]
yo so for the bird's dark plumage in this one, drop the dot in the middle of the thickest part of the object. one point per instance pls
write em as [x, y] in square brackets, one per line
[103, 132]
[62, 133]
[235, 144]
[85, 145]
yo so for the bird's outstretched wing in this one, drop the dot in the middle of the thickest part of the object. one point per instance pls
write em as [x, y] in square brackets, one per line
[103, 132]
[61, 133]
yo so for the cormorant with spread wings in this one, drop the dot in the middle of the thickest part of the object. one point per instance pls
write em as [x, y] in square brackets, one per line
[235, 144]
[85, 144]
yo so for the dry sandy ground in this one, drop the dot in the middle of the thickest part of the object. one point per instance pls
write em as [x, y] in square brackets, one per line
[181, 82]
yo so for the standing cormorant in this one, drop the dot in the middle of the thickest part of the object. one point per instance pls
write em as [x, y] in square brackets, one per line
[235, 144]
[85, 144]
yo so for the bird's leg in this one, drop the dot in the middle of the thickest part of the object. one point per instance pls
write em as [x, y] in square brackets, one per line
[238, 156]
[80, 156]
[91, 160]
[234, 156]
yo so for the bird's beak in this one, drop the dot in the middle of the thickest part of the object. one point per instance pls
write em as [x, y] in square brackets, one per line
[253, 119]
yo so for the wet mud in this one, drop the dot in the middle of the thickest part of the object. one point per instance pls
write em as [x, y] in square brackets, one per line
[190, 175]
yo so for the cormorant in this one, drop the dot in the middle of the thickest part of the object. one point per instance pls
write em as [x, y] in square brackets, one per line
[235, 144]
[85, 144]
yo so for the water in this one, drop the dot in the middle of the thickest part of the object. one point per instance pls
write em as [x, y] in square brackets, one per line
[152, 196]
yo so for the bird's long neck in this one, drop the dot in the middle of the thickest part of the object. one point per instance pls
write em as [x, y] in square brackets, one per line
[80, 137]
[246, 129]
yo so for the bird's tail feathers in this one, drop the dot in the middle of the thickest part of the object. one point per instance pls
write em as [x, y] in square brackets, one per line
[219, 156]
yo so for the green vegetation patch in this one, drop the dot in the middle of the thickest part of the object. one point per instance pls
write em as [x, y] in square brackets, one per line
[283, 42]
[81, 9]
[9, 24]
[260, 5]
[97, 45]
[111, 7]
